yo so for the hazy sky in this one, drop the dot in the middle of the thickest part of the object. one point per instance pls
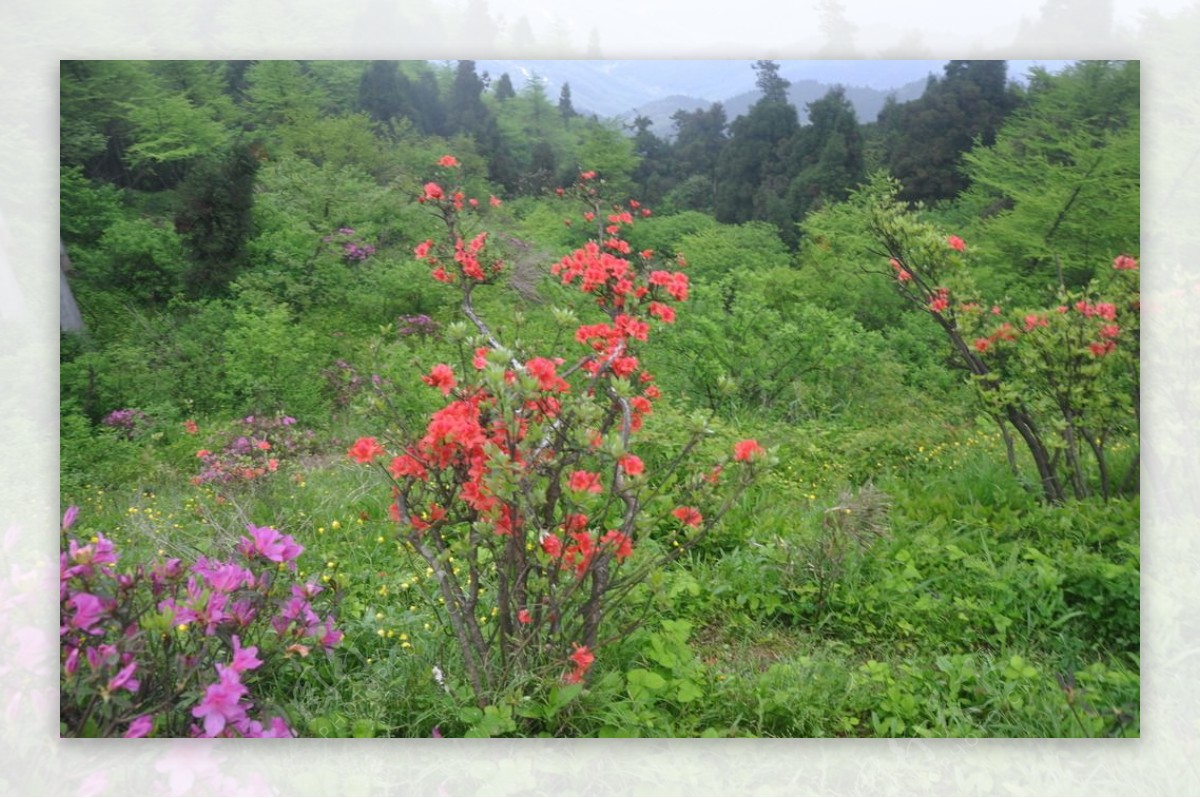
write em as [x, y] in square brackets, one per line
[716, 26]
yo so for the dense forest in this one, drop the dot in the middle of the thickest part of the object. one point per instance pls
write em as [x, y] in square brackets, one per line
[408, 403]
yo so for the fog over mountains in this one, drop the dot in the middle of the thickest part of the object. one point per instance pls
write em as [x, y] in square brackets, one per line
[659, 88]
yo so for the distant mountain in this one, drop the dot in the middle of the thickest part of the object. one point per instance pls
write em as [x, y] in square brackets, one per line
[867, 103]
[612, 88]
[659, 88]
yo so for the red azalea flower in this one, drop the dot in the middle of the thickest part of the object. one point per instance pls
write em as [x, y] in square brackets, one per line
[365, 450]
[407, 466]
[623, 545]
[585, 481]
[747, 450]
[448, 160]
[688, 516]
[956, 243]
[632, 464]
[583, 658]
[441, 376]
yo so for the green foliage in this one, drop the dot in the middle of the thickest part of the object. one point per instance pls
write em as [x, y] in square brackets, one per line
[1057, 193]
[926, 138]
[609, 152]
[281, 94]
[837, 268]
[715, 251]
[751, 344]
[143, 258]
[664, 234]
[86, 208]
[270, 364]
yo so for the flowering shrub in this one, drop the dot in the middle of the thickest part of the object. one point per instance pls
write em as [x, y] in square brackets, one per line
[419, 325]
[168, 649]
[353, 250]
[1037, 370]
[129, 422]
[254, 448]
[523, 493]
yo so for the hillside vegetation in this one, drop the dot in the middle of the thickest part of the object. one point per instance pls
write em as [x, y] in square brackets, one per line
[412, 405]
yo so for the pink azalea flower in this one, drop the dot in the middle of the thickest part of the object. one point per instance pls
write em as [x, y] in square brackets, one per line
[221, 704]
[244, 659]
[140, 727]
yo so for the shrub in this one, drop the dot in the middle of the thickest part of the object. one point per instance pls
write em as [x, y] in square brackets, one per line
[140, 646]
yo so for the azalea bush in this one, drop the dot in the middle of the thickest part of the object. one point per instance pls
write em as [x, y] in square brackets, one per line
[524, 493]
[250, 448]
[1062, 377]
[169, 649]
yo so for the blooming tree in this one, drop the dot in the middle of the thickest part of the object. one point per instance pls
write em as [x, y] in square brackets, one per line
[1039, 371]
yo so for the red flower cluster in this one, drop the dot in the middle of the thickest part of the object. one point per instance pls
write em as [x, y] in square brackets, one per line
[940, 301]
[441, 377]
[1105, 310]
[902, 274]
[748, 450]
[583, 659]
[365, 450]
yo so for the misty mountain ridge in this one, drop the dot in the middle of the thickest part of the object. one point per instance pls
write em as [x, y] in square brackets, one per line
[657, 89]
[867, 103]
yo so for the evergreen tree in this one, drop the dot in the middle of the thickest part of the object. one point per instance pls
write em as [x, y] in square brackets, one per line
[925, 138]
[215, 220]
[753, 172]
[383, 92]
[466, 111]
[651, 175]
[699, 140]
[429, 111]
[504, 88]
[773, 87]
[828, 154]
[565, 109]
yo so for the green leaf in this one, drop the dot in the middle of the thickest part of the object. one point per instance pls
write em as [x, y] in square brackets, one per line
[643, 683]
[363, 728]
[608, 732]
[689, 691]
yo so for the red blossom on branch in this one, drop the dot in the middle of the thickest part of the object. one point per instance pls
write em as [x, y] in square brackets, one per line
[365, 450]
[748, 450]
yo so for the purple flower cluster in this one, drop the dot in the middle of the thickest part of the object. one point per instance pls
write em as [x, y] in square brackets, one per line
[419, 325]
[188, 622]
[128, 421]
[353, 250]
